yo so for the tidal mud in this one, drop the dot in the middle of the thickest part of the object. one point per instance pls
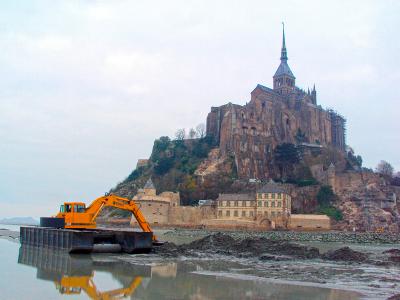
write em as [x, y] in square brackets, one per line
[271, 250]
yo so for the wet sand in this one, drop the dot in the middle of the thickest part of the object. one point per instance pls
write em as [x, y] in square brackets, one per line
[9, 234]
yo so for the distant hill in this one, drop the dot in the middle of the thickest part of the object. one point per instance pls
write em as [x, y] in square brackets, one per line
[19, 221]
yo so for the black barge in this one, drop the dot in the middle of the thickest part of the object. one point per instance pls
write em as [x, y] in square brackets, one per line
[87, 240]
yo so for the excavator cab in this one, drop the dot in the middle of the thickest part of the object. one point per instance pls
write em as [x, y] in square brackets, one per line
[72, 207]
[76, 216]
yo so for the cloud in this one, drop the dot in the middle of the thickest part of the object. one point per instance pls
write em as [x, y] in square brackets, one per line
[135, 64]
[364, 73]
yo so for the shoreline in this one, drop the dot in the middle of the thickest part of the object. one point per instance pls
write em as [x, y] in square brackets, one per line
[367, 238]
[285, 235]
[10, 235]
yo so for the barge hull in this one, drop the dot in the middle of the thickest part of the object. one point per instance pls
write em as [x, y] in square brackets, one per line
[83, 241]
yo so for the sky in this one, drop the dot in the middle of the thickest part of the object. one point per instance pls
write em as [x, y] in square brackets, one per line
[86, 86]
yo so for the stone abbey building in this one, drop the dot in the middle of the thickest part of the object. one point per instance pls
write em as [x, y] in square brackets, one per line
[273, 116]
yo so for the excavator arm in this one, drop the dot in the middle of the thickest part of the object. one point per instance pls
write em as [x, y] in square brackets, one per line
[118, 202]
[74, 215]
[75, 284]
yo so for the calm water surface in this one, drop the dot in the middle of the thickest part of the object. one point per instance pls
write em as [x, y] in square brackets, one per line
[29, 273]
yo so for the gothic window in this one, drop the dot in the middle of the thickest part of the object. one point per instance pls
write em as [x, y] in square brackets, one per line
[235, 213]
[220, 213]
[259, 203]
[243, 213]
[228, 213]
[279, 196]
[236, 203]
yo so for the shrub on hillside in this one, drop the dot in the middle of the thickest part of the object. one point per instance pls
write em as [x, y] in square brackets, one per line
[332, 212]
[326, 196]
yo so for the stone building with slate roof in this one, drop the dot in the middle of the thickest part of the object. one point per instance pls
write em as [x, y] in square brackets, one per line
[273, 116]
[273, 202]
[270, 204]
[270, 207]
[156, 208]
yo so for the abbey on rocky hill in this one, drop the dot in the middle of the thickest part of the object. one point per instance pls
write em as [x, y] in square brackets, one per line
[284, 114]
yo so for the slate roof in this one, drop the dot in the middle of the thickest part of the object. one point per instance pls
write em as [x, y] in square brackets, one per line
[236, 197]
[266, 89]
[149, 185]
[284, 69]
[271, 188]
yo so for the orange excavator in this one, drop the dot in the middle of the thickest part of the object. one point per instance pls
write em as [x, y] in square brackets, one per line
[75, 217]
[73, 285]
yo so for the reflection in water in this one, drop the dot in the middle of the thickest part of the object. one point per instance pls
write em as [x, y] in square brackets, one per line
[142, 277]
[73, 274]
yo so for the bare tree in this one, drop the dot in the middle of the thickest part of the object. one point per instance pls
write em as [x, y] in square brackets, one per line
[201, 130]
[385, 169]
[396, 179]
[192, 133]
[180, 134]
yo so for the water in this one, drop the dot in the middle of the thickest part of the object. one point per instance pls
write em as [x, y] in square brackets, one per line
[11, 227]
[29, 273]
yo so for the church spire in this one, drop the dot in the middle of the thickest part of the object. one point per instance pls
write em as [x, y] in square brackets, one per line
[283, 51]
[284, 80]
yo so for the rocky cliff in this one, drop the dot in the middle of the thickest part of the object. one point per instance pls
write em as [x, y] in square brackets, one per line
[198, 169]
[252, 131]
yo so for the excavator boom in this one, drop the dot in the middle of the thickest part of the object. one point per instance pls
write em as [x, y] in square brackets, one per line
[77, 216]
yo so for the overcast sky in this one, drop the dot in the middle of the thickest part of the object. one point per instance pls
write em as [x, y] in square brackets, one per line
[86, 86]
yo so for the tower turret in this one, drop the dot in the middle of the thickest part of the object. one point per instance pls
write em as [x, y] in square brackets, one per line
[314, 96]
[284, 80]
